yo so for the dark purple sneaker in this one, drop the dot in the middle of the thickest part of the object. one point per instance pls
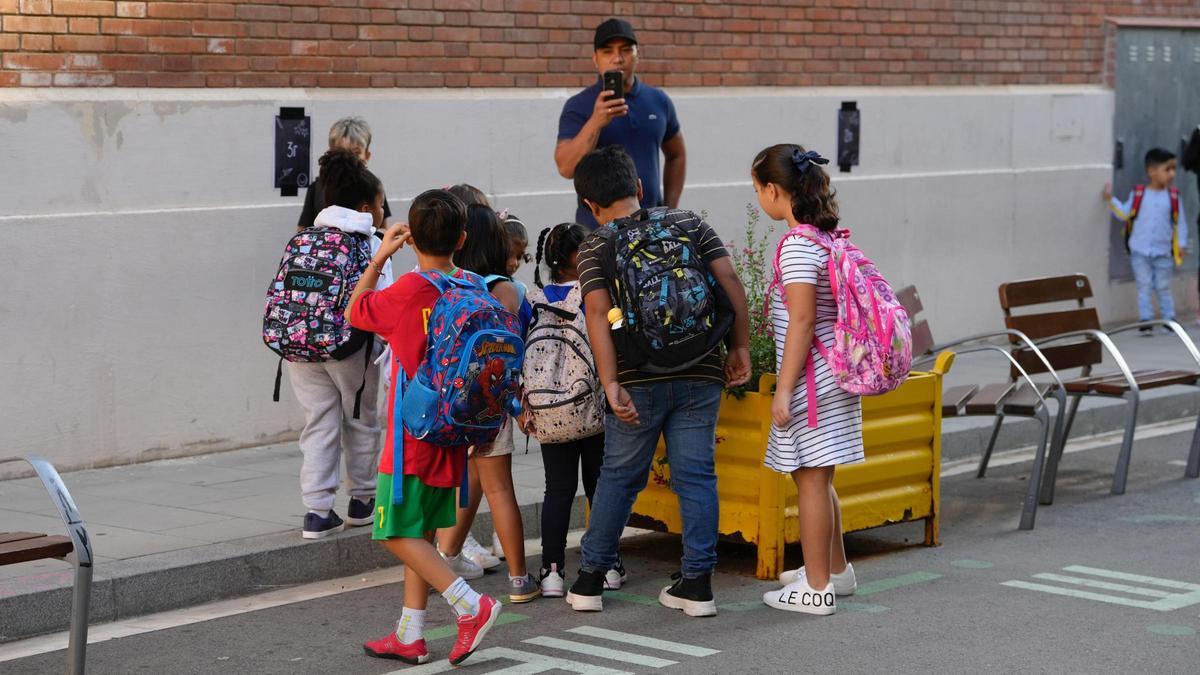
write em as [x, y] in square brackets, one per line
[316, 527]
[360, 513]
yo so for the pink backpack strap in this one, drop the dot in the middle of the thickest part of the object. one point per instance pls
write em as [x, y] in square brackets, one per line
[810, 374]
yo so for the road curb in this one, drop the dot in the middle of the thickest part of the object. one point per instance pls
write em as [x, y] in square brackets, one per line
[38, 604]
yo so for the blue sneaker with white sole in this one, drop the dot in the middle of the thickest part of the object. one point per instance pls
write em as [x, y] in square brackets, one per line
[316, 527]
[360, 513]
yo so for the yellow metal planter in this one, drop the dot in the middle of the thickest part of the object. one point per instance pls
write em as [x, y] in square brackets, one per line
[899, 482]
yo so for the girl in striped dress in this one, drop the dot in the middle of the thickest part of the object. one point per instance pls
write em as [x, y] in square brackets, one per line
[792, 186]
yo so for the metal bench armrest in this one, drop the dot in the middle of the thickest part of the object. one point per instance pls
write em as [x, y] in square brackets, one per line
[1016, 334]
[65, 505]
[1178, 330]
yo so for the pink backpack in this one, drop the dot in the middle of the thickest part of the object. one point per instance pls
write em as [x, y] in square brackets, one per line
[872, 342]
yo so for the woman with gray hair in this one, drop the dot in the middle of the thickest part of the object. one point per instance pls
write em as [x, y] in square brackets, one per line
[353, 134]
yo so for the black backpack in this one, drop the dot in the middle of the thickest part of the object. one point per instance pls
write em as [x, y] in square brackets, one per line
[674, 311]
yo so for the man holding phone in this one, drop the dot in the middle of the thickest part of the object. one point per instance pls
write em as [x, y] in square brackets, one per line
[621, 110]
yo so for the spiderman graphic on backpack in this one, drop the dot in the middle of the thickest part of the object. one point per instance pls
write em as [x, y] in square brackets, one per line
[467, 384]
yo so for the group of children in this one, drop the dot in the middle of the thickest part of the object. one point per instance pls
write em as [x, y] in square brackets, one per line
[608, 367]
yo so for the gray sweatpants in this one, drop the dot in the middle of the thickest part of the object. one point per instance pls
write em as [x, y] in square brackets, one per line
[326, 392]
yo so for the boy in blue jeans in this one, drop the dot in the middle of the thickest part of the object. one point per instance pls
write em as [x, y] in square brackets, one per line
[1156, 235]
[648, 400]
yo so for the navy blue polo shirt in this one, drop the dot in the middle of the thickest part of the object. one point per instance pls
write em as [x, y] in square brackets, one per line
[651, 122]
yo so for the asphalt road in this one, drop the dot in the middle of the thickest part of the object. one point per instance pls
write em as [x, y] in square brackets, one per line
[1104, 584]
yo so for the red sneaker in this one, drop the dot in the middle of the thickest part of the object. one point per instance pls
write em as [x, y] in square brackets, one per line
[390, 647]
[471, 629]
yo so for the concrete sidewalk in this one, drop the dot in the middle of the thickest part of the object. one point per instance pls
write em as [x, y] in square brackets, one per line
[178, 532]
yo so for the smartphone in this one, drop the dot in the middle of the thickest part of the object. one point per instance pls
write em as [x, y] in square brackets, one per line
[614, 82]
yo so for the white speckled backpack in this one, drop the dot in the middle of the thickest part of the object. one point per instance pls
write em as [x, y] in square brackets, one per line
[563, 396]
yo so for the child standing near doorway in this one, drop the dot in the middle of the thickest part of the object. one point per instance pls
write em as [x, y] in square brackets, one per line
[1156, 235]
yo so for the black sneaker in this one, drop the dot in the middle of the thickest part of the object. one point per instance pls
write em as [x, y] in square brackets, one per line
[615, 578]
[693, 596]
[316, 527]
[1146, 331]
[360, 513]
[585, 594]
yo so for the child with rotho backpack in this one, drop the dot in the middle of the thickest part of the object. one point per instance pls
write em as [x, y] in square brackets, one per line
[839, 334]
[455, 363]
[329, 361]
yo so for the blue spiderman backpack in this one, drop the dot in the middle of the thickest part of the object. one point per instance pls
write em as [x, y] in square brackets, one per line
[466, 386]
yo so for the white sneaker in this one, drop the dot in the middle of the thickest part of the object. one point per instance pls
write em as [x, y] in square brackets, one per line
[478, 554]
[799, 597]
[615, 578]
[497, 548]
[844, 583]
[553, 584]
[463, 566]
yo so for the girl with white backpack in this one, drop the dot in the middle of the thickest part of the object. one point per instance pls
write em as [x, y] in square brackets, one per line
[564, 401]
[839, 334]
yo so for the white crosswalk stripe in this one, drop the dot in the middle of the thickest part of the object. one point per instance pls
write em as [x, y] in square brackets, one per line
[1183, 593]
[538, 662]
[600, 652]
[643, 641]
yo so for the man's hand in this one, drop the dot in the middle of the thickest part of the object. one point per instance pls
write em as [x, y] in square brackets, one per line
[394, 239]
[781, 409]
[621, 403]
[737, 366]
[1107, 193]
[606, 109]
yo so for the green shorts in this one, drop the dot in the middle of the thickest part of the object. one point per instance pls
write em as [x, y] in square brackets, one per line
[424, 509]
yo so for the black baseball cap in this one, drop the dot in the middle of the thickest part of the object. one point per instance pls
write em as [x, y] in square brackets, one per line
[613, 29]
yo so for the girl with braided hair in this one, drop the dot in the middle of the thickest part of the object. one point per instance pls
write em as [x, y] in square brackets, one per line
[558, 248]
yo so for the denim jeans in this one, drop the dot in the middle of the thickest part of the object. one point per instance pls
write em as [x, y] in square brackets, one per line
[1153, 276]
[684, 412]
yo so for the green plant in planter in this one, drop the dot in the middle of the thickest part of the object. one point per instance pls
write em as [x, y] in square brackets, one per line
[753, 259]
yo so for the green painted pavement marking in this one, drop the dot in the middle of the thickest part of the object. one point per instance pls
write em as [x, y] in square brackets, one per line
[631, 597]
[1154, 518]
[896, 582]
[1171, 629]
[450, 631]
[972, 564]
[742, 606]
[862, 607]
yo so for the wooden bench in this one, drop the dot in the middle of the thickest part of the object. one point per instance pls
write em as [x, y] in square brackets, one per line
[1019, 397]
[1070, 339]
[19, 547]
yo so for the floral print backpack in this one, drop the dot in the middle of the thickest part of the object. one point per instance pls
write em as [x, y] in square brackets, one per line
[872, 341]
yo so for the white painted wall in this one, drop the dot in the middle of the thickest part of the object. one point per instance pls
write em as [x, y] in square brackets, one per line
[140, 228]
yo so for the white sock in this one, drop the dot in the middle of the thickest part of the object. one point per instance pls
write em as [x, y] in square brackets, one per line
[462, 598]
[411, 626]
[323, 514]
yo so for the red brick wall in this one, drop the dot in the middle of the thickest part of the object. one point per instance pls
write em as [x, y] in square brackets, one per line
[546, 43]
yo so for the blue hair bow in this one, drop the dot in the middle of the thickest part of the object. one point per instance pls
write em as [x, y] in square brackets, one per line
[805, 160]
